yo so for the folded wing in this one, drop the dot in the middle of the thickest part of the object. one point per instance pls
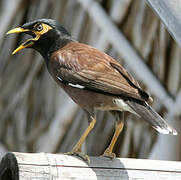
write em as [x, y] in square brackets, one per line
[86, 66]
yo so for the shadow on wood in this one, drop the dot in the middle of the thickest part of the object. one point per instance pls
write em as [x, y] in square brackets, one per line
[44, 166]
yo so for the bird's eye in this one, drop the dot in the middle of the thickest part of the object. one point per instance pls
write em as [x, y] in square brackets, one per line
[39, 27]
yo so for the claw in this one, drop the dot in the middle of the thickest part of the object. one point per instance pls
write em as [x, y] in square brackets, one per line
[109, 154]
[81, 155]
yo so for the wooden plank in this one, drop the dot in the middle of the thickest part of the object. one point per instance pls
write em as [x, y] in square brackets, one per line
[58, 166]
[170, 14]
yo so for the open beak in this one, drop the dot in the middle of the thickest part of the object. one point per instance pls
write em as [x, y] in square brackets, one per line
[26, 44]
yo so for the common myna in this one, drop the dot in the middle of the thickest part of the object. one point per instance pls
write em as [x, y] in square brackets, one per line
[93, 79]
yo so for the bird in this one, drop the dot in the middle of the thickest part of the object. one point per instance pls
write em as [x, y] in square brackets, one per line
[93, 79]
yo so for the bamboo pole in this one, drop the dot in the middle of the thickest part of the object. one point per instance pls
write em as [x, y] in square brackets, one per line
[24, 166]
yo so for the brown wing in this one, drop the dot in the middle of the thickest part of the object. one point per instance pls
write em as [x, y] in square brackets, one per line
[84, 65]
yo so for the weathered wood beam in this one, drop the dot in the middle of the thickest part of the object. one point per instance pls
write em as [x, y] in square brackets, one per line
[170, 14]
[125, 49]
[58, 166]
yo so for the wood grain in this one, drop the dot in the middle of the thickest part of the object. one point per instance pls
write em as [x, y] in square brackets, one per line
[58, 166]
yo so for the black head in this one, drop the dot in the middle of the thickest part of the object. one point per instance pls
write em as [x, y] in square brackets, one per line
[48, 36]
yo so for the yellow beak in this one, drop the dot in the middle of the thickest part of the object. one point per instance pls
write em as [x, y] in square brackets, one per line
[26, 44]
[17, 30]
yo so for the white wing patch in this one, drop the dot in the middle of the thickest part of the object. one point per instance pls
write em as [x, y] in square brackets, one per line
[70, 84]
[76, 86]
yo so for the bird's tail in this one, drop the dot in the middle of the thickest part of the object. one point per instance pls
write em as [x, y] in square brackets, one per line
[152, 117]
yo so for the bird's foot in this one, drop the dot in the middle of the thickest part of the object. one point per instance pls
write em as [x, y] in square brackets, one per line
[109, 154]
[78, 152]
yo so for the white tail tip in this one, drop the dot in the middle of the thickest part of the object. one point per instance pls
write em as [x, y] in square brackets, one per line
[169, 130]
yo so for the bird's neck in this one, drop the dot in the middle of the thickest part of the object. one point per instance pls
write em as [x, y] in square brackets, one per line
[48, 46]
[58, 44]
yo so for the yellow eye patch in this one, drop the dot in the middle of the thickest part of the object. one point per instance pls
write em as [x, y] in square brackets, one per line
[40, 29]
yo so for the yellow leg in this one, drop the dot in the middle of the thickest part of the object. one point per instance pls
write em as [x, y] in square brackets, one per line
[77, 148]
[108, 152]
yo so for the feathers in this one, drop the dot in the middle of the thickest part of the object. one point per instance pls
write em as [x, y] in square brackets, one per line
[152, 117]
[78, 63]
[123, 106]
